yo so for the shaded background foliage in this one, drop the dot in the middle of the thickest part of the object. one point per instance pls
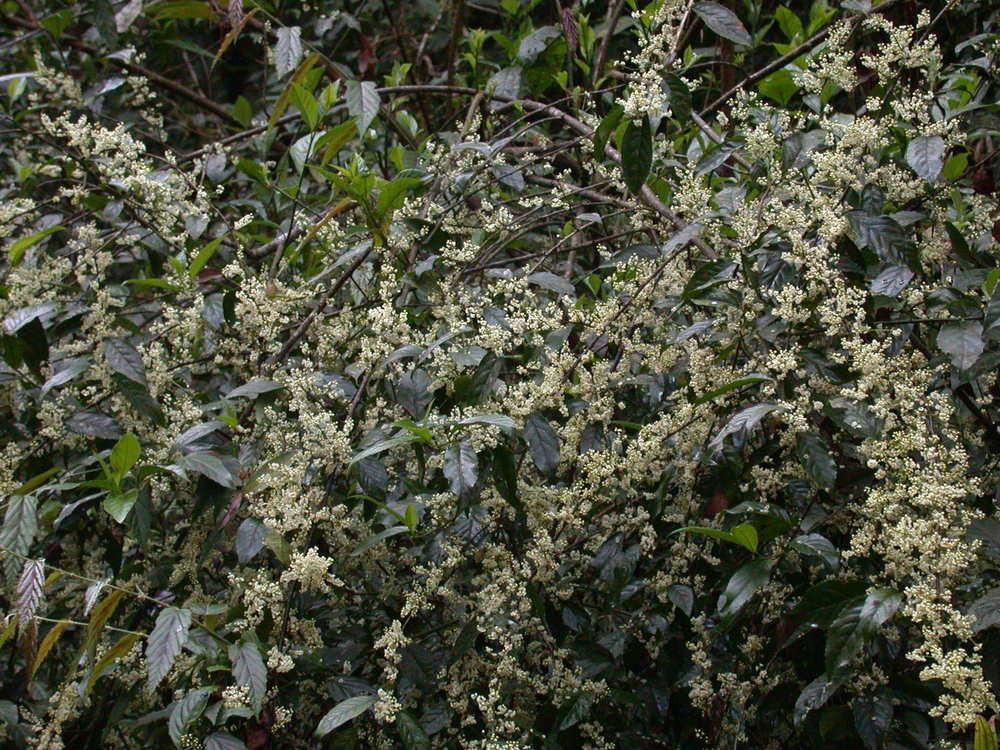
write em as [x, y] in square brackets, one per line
[141, 453]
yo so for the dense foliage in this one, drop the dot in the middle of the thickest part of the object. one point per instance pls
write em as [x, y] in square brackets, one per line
[497, 375]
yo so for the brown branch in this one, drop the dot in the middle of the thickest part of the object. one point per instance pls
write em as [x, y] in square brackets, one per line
[602, 51]
[162, 80]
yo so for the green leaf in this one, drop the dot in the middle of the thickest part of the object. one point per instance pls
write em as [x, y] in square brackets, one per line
[124, 359]
[791, 25]
[608, 126]
[731, 386]
[985, 737]
[461, 468]
[543, 443]
[817, 461]
[98, 619]
[17, 249]
[744, 535]
[392, 195]
[411, 733]
[925, 155]
[249, 669]
[343, 712]
[165, 643]
[781, 87]
[963, 341]
[186, 711]
[36, 481]
[306, 104]
[203, 256]
[363, 103]
[46, 645]
[181, 9]
[723, 22]
[118, 650]
[125, 453]
[637, 154]
[20, 524]
[119, 506]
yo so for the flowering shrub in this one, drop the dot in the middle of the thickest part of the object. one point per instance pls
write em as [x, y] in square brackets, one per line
[504, 375]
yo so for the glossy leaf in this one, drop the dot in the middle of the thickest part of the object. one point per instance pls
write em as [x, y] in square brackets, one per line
[637, 154]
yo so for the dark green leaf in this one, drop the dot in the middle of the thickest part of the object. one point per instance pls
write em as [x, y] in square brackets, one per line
[682, 597]
[723, 22]
[605, 129]
[892, 280]
[123, 358]
[986, 610]
[69, 370]
[249, 539]
[855, 625]
[223, 741]
[814, 454]
[744, 584]
[819, 546]
[411, 733]
[94, 424]
[254, 388]
[963, 341]
[872, 717]
[186, 711]
[637, 154]
[543, 443]
[461, 468]
[20, 524]
[343, 712]
[209, 465]
[744, 420]
[165, 643]
[815, 695]
[925, 155]
[249, 669]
